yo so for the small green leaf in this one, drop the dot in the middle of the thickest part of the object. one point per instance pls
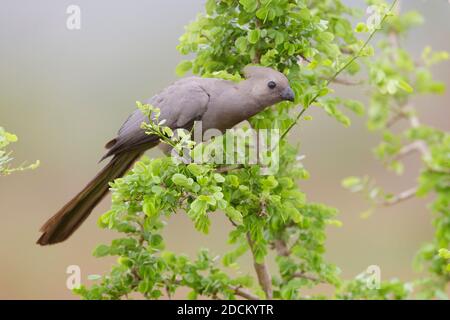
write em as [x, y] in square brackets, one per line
[304, 14]
[351, 182]
[262, 13]
[356, 106]
[405, 86]
[101, 251]
[195, 169]
[10, 137]
[361, 27]
[182, 180]
[241, 44]
[94, 277]
[199, 206]
[326, 36]
[253, 36]
[234, 215]
[149, 207]
[183, 67]
[210, 6]
[156, 240]
[444, 253]
[249, 5]
[219, 178]
[192, 295]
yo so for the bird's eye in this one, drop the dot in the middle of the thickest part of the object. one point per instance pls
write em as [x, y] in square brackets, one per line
[271, 84]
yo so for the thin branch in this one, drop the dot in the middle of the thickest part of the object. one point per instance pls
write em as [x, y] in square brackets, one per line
[226, 169]
[244, 293]
[239, 291]
[262, 272]
[301, 59]
[281, 247]
[347, 82]
[416, 146]
[422, 146]
[405, 195]
[305, 276]
[257, 58]
[408, 111]
[395, 118]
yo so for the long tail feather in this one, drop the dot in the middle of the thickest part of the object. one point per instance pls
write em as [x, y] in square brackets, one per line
[64, 223]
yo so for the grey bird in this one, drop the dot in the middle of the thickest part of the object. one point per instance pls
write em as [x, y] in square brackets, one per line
[219, 104]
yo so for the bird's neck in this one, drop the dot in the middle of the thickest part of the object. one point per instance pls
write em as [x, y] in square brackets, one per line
[254, 105]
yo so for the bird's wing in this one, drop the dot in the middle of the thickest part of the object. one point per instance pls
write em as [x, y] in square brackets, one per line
[180, 104]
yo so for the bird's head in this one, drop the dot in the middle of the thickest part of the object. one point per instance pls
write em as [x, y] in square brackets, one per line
[267, 85]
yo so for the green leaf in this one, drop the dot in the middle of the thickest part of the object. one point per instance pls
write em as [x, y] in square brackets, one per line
[241, 44]
[356, 106]
[192, 295]
[249, 5]
[269, 183]
[279, 38]
[326, 36]
[405, 86]
[144, 286]
[101, 251]
[196, 169]
[253, 36]
[304, 14]
[10, 137]
[234, 215]
[183, 67]
[351, 182]
[199, 206]
[182, 180]
[156, 240]
[219, 178]
[262, 13]
[444, 253]
[149, 207]
[210, 6]
[361, 27]
[94, 277]
[232, 180]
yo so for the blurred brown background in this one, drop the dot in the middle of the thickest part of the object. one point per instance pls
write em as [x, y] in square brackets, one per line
[65, 93]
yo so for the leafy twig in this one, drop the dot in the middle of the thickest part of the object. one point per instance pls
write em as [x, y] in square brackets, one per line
[337, 73]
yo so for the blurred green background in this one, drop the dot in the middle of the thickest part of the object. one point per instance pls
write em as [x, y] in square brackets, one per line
[65, 93]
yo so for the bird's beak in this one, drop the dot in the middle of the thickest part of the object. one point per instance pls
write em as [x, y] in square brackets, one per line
[288, 94]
